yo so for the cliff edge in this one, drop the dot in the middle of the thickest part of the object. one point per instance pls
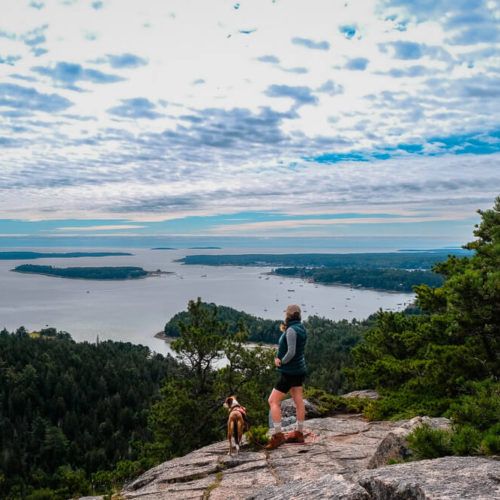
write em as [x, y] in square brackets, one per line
[343, 457]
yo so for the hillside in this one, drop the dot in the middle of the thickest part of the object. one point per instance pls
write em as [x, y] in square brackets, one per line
[70, 412]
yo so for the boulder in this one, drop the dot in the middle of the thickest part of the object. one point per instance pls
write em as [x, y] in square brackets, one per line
[288, 409]
[367, 393]
[394, 446]
[459, 478]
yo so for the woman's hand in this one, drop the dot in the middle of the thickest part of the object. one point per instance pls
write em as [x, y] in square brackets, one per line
[277, 362]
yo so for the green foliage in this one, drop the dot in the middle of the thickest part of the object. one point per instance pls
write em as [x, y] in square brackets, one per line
[392, 260]
[479, 406]
[259, 330]
[490, 444]
[328, 404]
[197, 397]
[444, 360]
[257, 437]
[328, 351]
[465, 440]
[68, 410]
[325, 402]
[399, 280]
[426, 442]
[89, 273]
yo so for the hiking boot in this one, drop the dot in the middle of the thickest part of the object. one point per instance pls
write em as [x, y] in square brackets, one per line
[276, 440]
[295, 437]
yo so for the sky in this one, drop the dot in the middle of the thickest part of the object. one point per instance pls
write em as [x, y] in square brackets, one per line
[317, 118]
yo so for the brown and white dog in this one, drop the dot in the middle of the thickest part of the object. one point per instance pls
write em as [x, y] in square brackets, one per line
[236, 423]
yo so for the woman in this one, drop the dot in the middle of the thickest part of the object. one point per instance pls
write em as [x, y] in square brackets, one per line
[291, 364]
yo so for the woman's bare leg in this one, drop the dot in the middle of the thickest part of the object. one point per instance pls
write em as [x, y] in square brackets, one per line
[298, 399]
[275, 405]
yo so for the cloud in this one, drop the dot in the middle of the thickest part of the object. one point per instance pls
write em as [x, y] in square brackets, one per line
[238, 138]
[70, 73]
[410, 72]
[331, 88]
[298, 70]
[138, 107]
[105, 227]
[311, 44]
[10, 60]
[301, 95]
[357, 64]
[467, 22]
[348, 30]
[407, 50]
[126, 60]
[269, 58]
[16, 96]
[36, 5]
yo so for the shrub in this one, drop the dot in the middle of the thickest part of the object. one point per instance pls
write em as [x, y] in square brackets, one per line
[480, 407]
[426, 442]
[490, 445]
[325, 402]
[257, 437]
[466, 440]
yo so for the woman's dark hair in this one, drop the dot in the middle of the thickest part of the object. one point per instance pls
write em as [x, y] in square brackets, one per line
[295, 316]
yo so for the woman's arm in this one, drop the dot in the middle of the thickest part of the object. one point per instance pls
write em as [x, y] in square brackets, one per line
[291, 341]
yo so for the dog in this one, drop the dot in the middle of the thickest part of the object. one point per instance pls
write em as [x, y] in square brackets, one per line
[237, 423]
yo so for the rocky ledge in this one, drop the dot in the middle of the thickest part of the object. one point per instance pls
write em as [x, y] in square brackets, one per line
[341, 459]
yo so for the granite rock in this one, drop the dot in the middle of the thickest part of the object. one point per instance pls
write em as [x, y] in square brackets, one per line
[476, 478]
[333, 463]
[366, 393]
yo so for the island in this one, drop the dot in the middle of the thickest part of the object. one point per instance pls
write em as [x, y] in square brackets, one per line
[204, 248]
[61, 255]
[164, 248]
[90, 273]
[396, 260]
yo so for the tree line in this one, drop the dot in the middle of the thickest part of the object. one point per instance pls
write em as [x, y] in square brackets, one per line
[89, 273]
[396, 280]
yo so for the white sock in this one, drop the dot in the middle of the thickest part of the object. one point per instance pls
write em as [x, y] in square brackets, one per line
[277, 427]
[300, 425]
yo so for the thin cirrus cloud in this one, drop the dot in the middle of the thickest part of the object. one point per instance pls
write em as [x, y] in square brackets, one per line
[196, 114]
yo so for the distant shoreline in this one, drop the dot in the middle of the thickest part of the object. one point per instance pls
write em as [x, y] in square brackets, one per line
[252, 345]
[55, 255]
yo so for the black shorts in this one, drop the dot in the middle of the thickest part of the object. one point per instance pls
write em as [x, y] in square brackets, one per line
[286, 381]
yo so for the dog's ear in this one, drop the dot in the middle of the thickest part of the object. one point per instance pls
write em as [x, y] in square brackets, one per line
[229, 402]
